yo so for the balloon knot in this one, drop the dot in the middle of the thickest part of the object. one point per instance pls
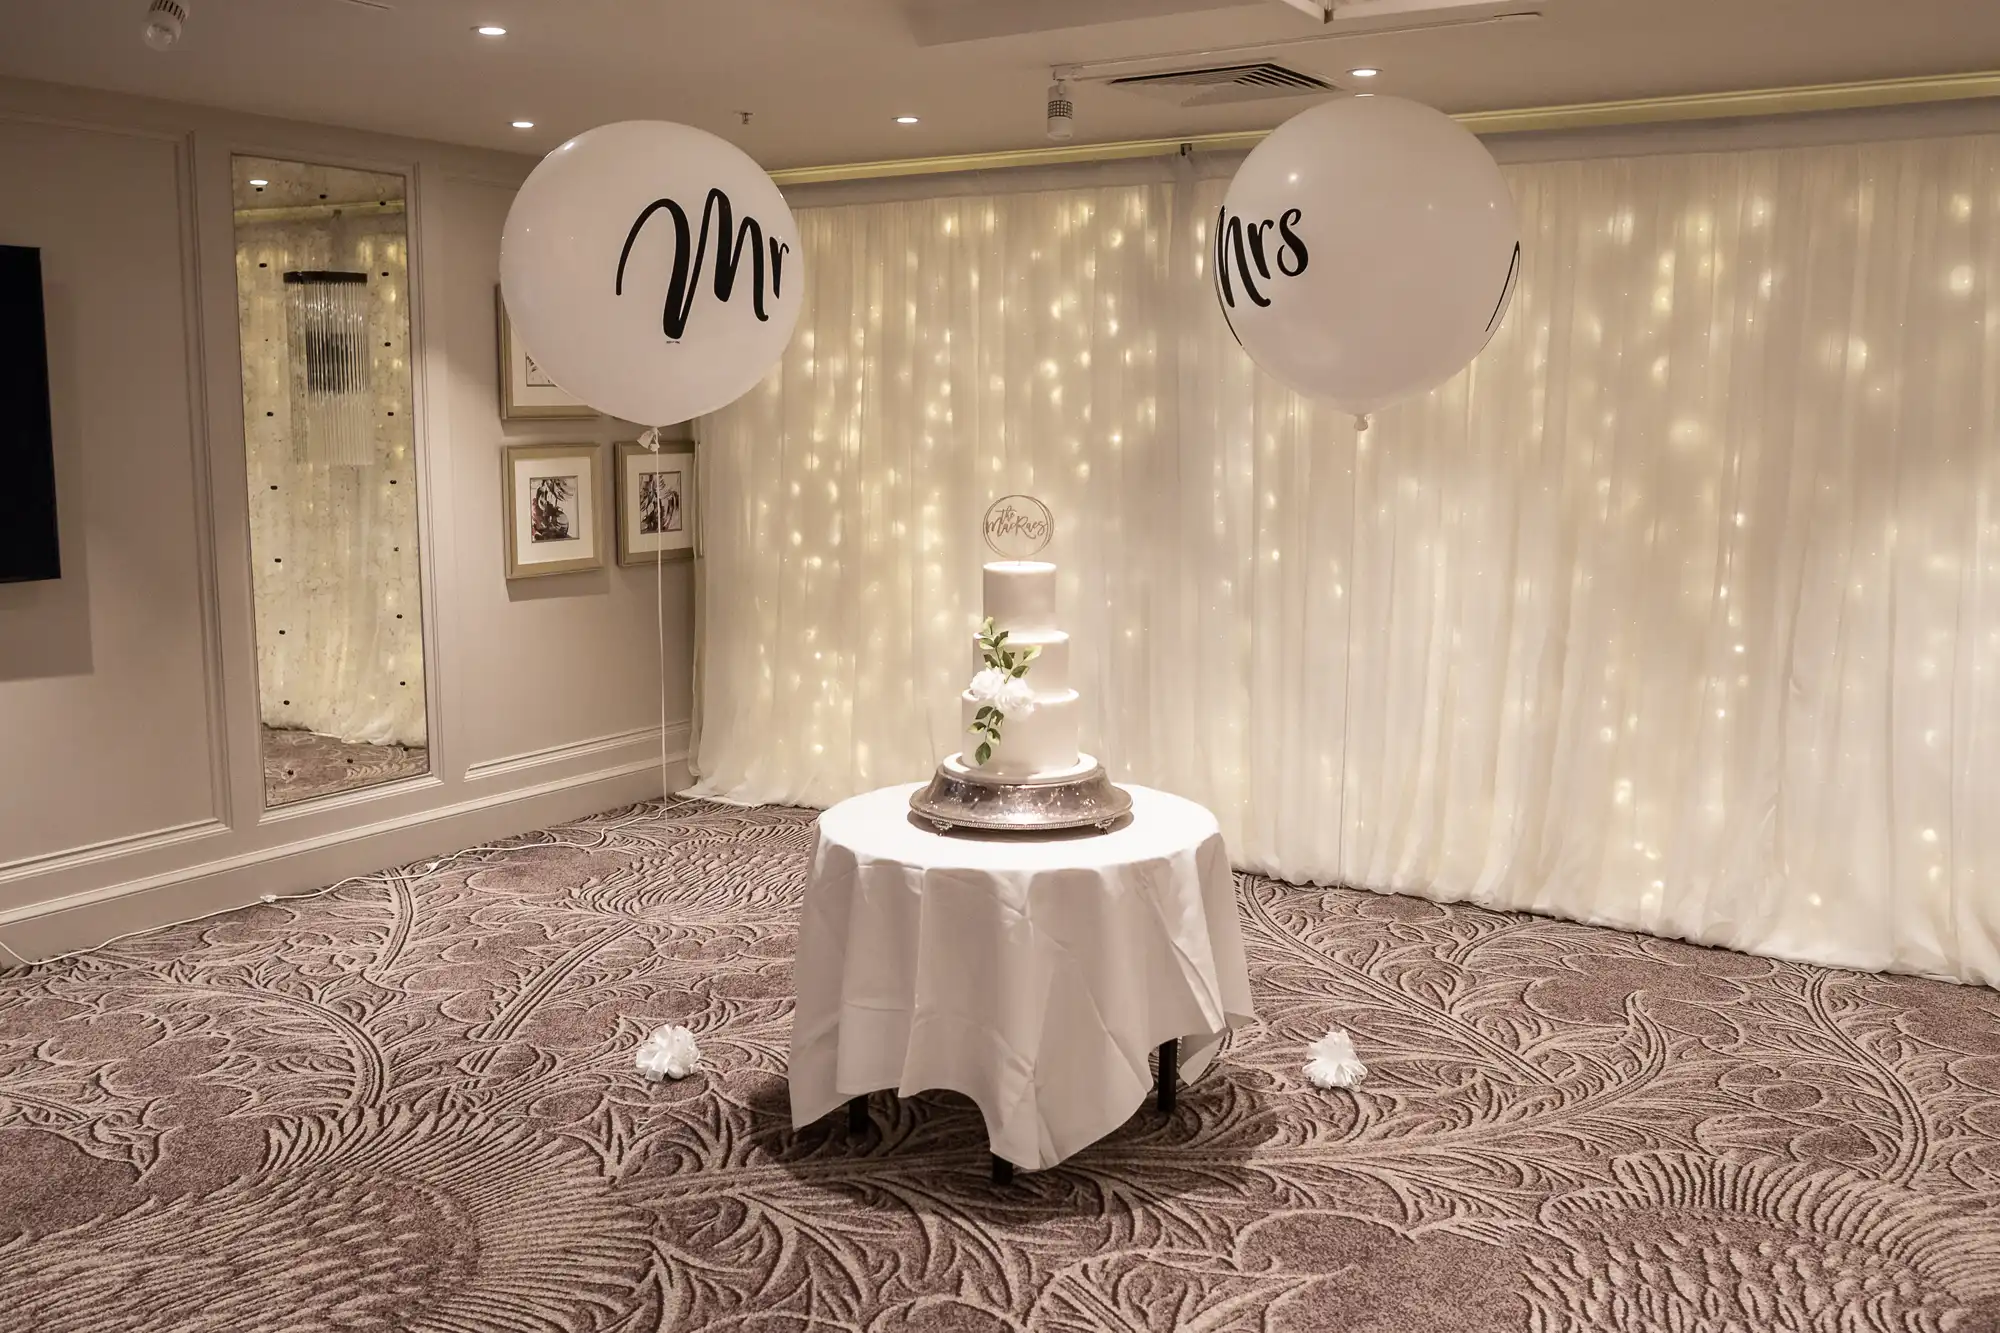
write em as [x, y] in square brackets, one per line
[649, 439]
[1361, 421]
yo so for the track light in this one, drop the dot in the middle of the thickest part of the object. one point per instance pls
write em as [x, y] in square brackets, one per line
[1062, 113]
[163, 23]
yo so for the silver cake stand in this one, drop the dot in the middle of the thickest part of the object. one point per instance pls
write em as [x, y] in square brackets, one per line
[960, 798]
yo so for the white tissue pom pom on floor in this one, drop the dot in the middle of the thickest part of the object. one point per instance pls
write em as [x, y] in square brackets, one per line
[669, 1053]
[1333, 1063]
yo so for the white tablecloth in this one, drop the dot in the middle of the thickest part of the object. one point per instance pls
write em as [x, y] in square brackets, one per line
[1034, 976]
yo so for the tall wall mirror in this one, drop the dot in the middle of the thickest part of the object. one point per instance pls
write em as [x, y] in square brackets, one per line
[322, 283]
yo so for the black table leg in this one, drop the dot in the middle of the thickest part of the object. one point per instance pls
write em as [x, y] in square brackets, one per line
[1170, 1073]
[1003, 1171]
[857, 1115]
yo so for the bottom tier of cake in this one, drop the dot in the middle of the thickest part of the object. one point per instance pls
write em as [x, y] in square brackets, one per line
[1031, 744]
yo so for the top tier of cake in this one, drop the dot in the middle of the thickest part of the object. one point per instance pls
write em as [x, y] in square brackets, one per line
[1021, 599]
[1020, 595]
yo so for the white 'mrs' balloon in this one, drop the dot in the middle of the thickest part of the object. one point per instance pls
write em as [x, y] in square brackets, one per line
[652, 270]
[1366, 251]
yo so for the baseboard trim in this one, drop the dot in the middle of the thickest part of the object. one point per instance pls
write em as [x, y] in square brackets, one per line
[676, 748]
[73, 858]
[86, 919]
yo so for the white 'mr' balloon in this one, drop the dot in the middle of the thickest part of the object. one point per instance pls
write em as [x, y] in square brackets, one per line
[652, 270]
[1366, 251]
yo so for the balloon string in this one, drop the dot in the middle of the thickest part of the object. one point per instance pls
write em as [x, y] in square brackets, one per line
[1361, 424]
[650, 440]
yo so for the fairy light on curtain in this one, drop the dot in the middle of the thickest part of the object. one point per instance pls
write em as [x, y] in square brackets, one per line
[1678, 611]
[326, 318]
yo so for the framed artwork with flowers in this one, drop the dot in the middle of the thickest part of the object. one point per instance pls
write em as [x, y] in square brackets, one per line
[526, 391]
[656, 502]
[553, 505]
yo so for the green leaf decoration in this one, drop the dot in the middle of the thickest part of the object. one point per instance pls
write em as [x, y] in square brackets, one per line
[983, 753]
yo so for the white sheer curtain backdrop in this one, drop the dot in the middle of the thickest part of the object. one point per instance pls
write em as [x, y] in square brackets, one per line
[1678, 611]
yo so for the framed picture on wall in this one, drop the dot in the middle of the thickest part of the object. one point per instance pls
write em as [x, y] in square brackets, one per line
[553, 500]
[656, 513]
[526, 392]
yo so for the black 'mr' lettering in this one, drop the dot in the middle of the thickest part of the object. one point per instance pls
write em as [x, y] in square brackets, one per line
[691, 253]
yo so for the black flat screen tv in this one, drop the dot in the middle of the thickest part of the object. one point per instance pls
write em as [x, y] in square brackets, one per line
[27, 436]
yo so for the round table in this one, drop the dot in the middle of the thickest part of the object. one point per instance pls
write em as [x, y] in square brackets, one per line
[1034, 974]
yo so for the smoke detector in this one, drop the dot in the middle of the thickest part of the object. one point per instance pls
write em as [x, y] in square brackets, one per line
[1216, 85]
[164, 21]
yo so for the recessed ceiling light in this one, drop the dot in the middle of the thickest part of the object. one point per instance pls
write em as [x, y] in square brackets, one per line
[1364, 94]
[523, 124]
[490, 30]
[906, 120]
[1365, 72]
[260, 184]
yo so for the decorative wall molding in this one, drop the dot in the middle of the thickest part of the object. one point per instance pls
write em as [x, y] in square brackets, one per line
[160, 135]
[233, 851]
[202, 446]
[677, 747]
[74, 858]
[85, 919]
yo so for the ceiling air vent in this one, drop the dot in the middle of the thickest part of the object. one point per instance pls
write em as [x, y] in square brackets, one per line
[1213, 85]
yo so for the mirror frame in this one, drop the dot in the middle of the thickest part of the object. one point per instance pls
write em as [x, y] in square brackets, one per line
[239, 760]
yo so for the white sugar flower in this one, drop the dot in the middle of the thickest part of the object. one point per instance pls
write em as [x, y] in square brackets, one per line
[1017, 698]
[1333, 1063]
[1010, 694]
[669, 1053]
[986, 686]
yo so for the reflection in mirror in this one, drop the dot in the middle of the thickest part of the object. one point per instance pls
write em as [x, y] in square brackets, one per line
[323, 301]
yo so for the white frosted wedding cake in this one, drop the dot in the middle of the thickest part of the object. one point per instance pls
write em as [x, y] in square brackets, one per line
[1020, 771]
[1020, 709]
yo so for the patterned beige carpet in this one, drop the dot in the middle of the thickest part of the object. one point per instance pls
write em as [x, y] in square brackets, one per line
[299, 765]
[411, 1105]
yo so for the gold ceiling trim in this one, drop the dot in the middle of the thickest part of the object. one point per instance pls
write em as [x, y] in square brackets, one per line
[1581, 115]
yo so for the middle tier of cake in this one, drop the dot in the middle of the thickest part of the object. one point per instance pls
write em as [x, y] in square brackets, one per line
[1048, 673]
[1031, 744]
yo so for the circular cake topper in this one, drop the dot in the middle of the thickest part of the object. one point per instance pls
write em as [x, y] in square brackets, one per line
[1017, 527]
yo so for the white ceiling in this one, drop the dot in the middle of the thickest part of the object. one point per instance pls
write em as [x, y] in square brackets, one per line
[824, 78]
